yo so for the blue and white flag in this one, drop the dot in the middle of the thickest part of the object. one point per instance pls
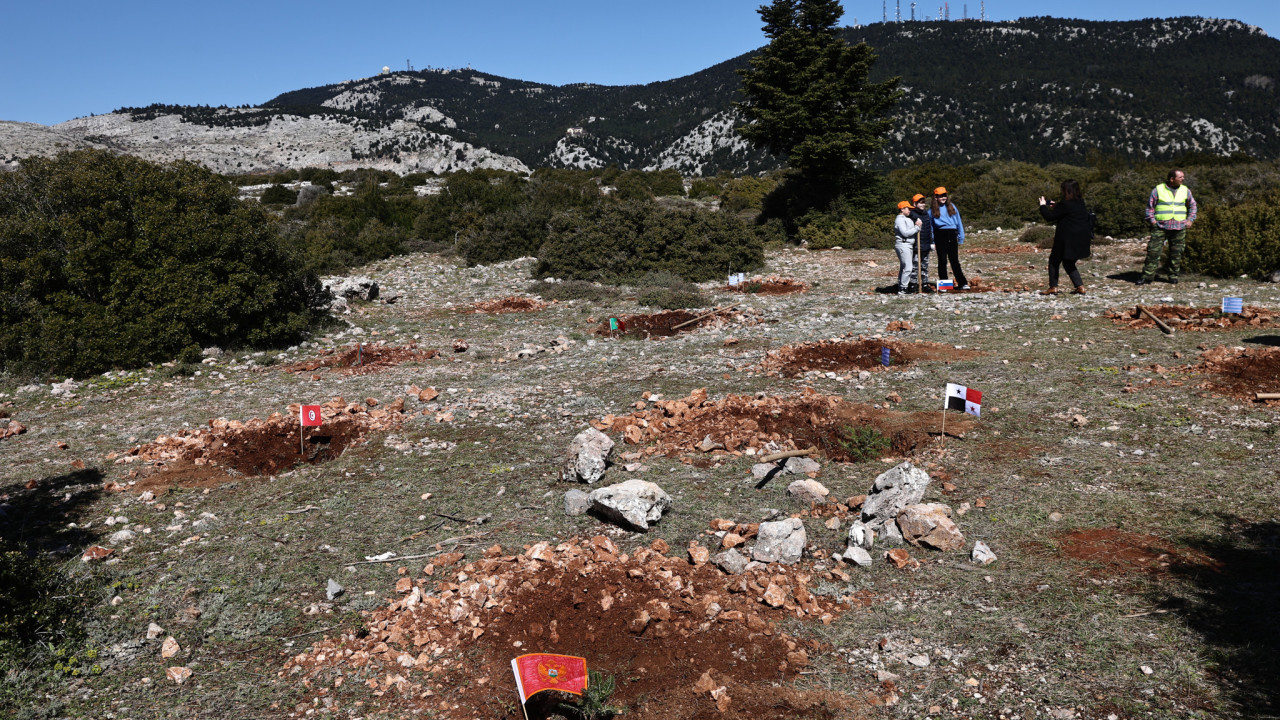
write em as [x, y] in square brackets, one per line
[945, 285]
[884, 356]
[1233, 305]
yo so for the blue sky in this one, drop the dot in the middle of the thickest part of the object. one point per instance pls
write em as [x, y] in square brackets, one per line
[60, 60]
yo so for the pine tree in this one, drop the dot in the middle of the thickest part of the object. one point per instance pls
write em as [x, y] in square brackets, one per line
[808, 92]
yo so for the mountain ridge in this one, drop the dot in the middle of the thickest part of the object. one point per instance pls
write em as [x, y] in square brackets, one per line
[1042, 90]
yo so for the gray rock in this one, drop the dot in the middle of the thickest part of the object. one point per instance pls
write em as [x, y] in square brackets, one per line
[212, 351]
[388, 296]
[120, 537]
[982, 554]
[890, 535]
[782, 541]
[1274, 277]
[892, 491]
[576, 502]
[332, 589]
[357, 286]
[634, 504]
[858, 556]
[801, 466]
[587, 456]
[730, 561]
[930, 524]
[809, 491]
[760, 471]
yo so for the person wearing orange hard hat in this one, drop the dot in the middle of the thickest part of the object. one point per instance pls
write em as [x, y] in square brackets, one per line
[905, 230]
[948, 235]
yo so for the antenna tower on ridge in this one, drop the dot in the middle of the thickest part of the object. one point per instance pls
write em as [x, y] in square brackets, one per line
[897, 11]
[984, 10]
[408, 65]
[947, 12]
[913, 12]
[966, 11]
[884, 10]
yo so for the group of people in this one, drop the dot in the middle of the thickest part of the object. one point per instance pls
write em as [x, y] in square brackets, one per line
[923, 224]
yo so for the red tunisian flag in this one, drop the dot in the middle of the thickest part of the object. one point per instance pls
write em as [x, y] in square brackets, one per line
[309, 415]
[542, 671]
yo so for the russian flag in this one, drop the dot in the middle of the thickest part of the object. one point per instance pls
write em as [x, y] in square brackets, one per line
[964, 399]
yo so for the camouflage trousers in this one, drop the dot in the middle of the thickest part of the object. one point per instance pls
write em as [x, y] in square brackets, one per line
[1177, 240]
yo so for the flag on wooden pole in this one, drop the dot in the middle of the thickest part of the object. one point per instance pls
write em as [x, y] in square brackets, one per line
[963, 399]
[544, 671]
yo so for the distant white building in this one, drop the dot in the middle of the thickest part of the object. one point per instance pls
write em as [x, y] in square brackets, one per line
[575, 132]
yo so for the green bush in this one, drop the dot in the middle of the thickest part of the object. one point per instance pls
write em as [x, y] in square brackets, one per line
[849, 233]
[1121, 203]
[1041, 235]
[110, 261]
[862, 443]
[1232, 241]
[746, 193]
[668, 291]
[40, 606]
[621, 242]
[702, 188]
[279, 195]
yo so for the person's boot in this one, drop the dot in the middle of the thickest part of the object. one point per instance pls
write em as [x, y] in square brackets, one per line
[1050, 291]
[1078, 291]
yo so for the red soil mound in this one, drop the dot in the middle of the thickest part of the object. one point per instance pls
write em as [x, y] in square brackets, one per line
[656, 623]
[230, 448]
[1241, 373]
[859, 354]
[509, 305]
[1191, 318]
[801, 421]
[363, 358]
[772, 285]
[1118, 552]
[661, 324]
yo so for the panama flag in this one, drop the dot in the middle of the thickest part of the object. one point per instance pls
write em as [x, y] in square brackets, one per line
[964, 399]
[945, 285]
[309, 415]
[543, 671]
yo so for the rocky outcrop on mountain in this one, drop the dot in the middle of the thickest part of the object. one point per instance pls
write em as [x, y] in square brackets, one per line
[19, 140]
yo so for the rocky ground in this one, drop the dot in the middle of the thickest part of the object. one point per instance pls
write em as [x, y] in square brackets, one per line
[392, 560]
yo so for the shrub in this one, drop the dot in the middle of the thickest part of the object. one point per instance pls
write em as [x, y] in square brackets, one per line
[849, 233]
[112, 261]
[702, 188]
[1121, 204]
[1041, 235]
[668, 291]
[746, 193]
[621, 242]
[40, 606]
[594, 703]
[862, 443]
[279, 195]
[1231, 241]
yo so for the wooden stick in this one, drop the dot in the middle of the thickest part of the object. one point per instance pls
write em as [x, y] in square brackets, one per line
[705, 316]
[1159, 323]
[787, 454]
[1266, 396]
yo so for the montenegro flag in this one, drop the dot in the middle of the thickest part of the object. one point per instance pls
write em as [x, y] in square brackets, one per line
[542, 671]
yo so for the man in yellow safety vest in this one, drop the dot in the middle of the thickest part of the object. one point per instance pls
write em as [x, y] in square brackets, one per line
[1170, 210]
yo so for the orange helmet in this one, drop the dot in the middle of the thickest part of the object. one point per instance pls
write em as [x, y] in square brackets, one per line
[904, 204]
[939, 191]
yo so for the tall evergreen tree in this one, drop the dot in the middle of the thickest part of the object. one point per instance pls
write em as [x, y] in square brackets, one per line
[808, 92]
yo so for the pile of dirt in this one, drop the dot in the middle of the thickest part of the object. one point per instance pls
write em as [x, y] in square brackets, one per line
[1241, 373]
[363, 358]
[661, 324]
[258, 447]
[658, 624]
[1118, 552]
[1192, 318]
[839, 429]
[509, 305]
[772, 285]
[856, 354]
[978, 285]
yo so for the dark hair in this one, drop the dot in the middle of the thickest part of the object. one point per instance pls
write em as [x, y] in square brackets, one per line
[1071, 190]
[1173, 173]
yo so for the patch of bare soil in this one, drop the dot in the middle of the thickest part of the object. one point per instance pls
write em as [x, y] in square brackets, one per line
[1200, 319]
[856, 354]
[509, 305]
[230, 448]
[683, 640]
[661, 324]
[1003, 250]
[1118, 552]
[978, 285]
[738, 422]
[361, 359]
[1241, 373]
[772, 285]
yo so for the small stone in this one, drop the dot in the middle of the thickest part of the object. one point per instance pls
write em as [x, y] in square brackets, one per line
[154, 631]
[1055, 516]
[801, 466]
[921, 660]
[782, 541]
[808, 490]
[169, 648]
[858, 556]
[732, 540]
[1146, 670]
[117, 601]
[332, 590]
[576, 502]
[774, 596]
[178, 674]
[760, 471]
[587, 457]
[930, 524]
[899, 557]
[698, 555]
[982, 554]
[730, 561]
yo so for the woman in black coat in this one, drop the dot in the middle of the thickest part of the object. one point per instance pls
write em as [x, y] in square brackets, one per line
[1071, 238]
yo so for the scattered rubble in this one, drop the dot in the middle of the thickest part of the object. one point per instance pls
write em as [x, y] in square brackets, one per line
[364, 358]
[860, 353]
[509, 305]
[1196, 319]
[1240, 372]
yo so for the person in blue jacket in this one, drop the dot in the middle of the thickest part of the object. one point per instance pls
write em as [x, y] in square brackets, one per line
[948, 234]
